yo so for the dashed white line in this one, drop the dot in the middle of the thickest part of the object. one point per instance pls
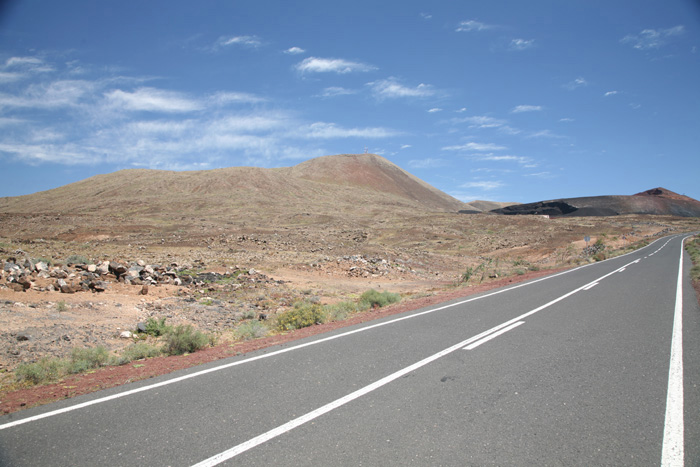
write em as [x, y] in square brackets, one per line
[493, 336]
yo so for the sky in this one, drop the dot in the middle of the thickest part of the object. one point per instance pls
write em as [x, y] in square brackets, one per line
[483, 99]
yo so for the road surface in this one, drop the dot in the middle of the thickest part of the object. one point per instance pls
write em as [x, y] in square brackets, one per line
[598, 365]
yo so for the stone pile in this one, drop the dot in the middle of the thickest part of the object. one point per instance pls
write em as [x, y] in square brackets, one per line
[24, 274]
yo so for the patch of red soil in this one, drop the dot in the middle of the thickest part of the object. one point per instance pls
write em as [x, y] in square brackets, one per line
[117, 375]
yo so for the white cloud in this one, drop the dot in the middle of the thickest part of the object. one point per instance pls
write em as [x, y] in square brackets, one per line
[331, 65]
[566, 119]
[248, 41]
[526, 108]
[323, 130]
[403, 146]
[502, 158]
[426, 16]
[8, 77]
[611, 93]
[475, 147]
[472, 25]
[391, 89]
[434, 110]
[544, 134]
[334, 91]
[575, 84]
[151, 100]
[428, 163]
[294, 51]
[484, 184]
[56, 94]
[521, 44]
[225, 98]
[652, 38]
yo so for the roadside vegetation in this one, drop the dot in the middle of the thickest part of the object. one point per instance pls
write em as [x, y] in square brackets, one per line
[157, 338]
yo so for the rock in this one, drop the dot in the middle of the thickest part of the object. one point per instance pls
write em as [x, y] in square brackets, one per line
[91, 268]
[16, 287]
[41, 267]
[126, 335]
[141, 327]
[98, 286]
[103, 268]
[25, 282]
[118, 269]
[23, 336]
[67, 289]
[144, 290]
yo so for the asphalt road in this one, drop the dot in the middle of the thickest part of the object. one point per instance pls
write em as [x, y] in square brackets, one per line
[584, 367]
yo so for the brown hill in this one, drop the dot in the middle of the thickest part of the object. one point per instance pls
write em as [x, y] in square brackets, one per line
[657, 201]
[326, 185]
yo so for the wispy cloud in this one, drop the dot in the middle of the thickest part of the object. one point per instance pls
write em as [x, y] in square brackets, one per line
[334, 91]
[483, 184]
[434, 110]
[391, 89]
[325, 130]
[526, 108]
[331, 65]
[652, 38]
[246, 41]
[566, 120]
[429, 163]
[502, 158]
[544, 134]
[480, 121]
[151, 100]
[521, 44]
[611, 93]
[473, 25]
[472, 146]
[575, 84]
[294, 51]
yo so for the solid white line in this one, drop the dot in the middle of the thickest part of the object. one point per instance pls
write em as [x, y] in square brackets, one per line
[672, 452]
[251, 443]
[493, 336]
[590, 286]
[281, 351]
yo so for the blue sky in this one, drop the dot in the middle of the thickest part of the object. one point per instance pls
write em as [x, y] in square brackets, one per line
[495, 100]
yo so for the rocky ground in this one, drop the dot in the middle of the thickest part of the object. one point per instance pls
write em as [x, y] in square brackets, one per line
[65, 283]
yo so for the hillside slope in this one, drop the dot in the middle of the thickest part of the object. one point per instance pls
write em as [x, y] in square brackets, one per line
[324, 185]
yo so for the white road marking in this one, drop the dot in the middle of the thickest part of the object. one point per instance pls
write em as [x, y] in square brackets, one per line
[493, 336]
[590, 286]
[672, 453]
[280, 430]
[278, 352]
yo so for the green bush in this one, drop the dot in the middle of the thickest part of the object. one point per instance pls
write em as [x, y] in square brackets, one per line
[77, 259]
[157, 327]
[340, 311]
[250, 330]
[303, 315]
[45, 370]
[184, 339]
[138, 351]
[84, 359]
[372, 298]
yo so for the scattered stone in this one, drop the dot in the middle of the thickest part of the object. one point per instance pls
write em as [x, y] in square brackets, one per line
[23, 336]
[126, 335]
[141, 327]
[67, 289]
[144, 290]
[16, 287]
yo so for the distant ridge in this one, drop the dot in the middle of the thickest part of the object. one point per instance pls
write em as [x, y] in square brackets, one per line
[657, 201]
[326, 185]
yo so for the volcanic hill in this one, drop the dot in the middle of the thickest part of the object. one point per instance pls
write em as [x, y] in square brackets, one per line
[326, 185]
[657, 201]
